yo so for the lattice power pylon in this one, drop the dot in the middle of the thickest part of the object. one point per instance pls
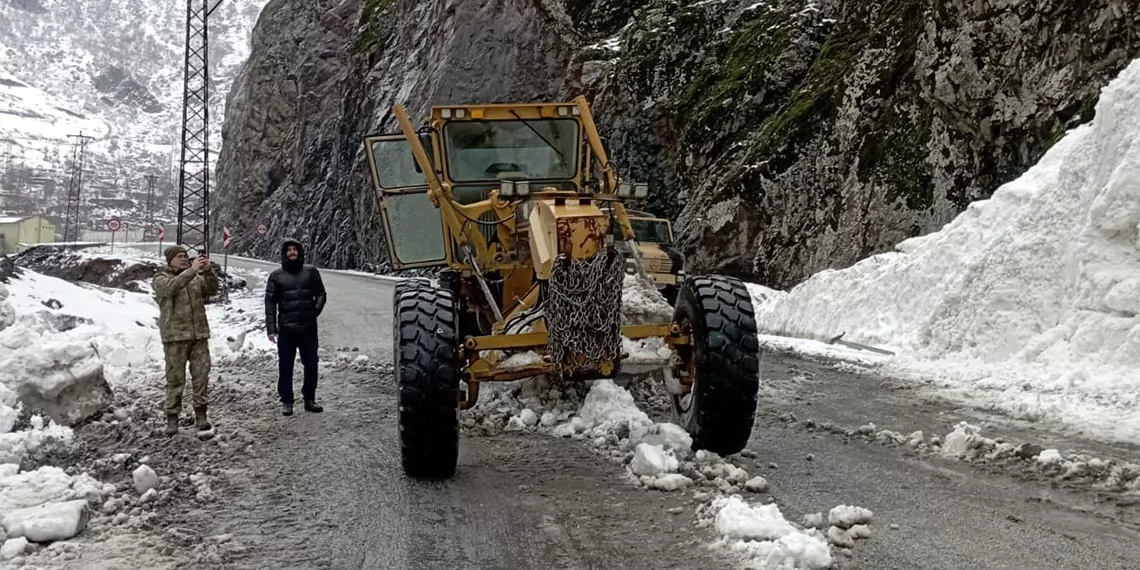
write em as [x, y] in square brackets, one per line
[75, 188]
[150, 227]
[194, 175]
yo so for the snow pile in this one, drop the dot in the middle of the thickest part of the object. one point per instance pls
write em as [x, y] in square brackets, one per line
[761, 534]
[45, 505]
[118, 328]
[1031, 296]
[967, 443]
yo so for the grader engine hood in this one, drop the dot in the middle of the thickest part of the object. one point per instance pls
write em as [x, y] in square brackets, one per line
[583, 278]
[568, 227]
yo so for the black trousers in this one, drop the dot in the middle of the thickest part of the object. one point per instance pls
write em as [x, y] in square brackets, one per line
[288, 344]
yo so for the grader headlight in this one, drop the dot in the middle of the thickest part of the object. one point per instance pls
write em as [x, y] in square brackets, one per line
[514, 188]
[640, 190]
[625, 190]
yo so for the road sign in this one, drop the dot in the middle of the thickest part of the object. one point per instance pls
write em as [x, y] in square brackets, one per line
[262, 230]
[114, 224]
[161, 232]
[226, 236]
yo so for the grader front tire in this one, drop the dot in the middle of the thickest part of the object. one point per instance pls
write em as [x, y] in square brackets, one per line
[427, 370]
[724, 357]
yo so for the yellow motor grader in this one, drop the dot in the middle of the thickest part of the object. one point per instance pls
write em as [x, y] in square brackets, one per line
[517, 204]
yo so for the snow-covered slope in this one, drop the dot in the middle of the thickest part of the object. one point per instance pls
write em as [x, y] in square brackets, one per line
[1028, 300]
[111, 69]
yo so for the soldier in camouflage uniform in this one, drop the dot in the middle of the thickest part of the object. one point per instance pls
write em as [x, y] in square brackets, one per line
[181, 289]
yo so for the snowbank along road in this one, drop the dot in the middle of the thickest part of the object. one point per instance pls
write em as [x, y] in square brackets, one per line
[326, 490]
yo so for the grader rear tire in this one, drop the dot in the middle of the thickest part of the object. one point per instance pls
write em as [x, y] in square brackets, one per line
[724, 356]
[427, 366]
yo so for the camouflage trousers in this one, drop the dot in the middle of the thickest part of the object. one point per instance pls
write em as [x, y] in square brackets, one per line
[196, 353]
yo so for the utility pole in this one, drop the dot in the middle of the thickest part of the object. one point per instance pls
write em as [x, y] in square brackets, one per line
[150, 229]
[75, 188]
[194, 175]
[6, 176]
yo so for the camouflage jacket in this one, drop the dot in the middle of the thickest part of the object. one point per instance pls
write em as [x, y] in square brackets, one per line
[181, 300]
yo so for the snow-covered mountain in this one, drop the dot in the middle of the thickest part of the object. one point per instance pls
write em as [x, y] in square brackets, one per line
[112, 70]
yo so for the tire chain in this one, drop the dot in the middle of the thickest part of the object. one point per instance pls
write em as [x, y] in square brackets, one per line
[583, 313]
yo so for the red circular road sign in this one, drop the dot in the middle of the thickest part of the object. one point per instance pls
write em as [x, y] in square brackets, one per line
[261, 229]
[114, 225]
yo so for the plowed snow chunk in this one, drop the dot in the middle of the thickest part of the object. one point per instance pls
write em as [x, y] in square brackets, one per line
[31, 488]
[959, 441]
[761, 534]
[756, 484]
[669, 436]
[736, 519]
[48, 522]
[840, 537]
[1049, 457]
[670, 482]
[642, 303]
[652, 460]
[608, 405]
[145, 478]
[13, 547]
[845, 516]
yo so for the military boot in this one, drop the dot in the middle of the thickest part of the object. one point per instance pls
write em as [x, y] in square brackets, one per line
[200, 421]
[171, 424]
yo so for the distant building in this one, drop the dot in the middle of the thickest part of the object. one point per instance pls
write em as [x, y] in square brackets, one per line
[17, 233]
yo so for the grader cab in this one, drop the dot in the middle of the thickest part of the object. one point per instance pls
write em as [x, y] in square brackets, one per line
[517, 204]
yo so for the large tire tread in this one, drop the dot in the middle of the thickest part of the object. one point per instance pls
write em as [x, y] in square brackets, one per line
[428, 372]
[728, 361]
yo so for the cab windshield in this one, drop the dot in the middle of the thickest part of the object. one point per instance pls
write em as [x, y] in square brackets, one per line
[538, 149]
[648, 231]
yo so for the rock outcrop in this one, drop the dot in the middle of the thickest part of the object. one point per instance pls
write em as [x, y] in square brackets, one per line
[785, 137]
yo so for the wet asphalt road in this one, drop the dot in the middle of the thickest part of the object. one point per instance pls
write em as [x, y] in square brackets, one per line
[326, 491]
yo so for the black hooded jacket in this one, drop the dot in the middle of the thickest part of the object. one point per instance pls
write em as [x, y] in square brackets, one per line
[294, 295]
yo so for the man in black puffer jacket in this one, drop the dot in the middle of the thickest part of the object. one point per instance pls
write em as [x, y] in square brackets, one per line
[294, 298]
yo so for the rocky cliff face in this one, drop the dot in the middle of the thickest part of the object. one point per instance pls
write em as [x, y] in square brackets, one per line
[785, 136]
[323, 74]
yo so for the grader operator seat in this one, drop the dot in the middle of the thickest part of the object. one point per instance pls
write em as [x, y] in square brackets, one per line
[516, 205]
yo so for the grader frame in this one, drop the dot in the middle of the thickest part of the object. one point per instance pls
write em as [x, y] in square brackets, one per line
[529, 269]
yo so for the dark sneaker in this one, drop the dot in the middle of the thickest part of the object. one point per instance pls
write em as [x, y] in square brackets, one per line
[286, 409]
[313, 406]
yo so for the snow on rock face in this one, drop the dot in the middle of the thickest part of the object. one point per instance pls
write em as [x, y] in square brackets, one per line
[1028, 298]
